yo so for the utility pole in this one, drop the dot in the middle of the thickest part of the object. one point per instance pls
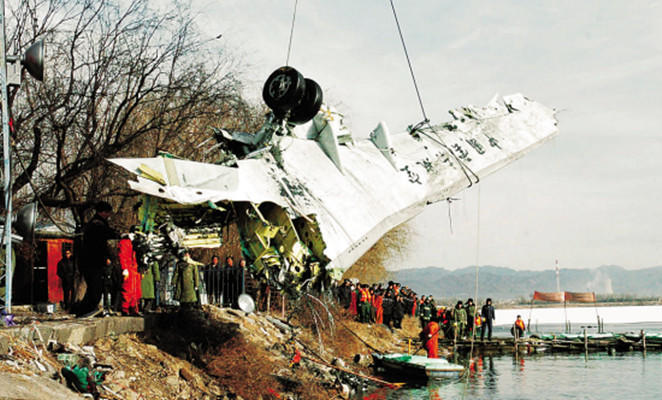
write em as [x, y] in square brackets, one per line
[6, 153]
[11, 70]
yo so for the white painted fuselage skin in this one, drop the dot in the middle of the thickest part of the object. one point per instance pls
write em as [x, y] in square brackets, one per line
[357, 190]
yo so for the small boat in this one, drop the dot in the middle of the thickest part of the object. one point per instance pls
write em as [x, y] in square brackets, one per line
[575, 336]
[417, 366]
[651, 337]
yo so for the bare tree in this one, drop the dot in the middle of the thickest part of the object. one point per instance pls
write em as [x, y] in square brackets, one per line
[122, 79]
[392, 246]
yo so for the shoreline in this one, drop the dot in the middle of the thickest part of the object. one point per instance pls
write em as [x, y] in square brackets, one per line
[579, 305]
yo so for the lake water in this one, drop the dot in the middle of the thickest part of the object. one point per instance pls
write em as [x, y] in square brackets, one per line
[569, 376]
[628, 375]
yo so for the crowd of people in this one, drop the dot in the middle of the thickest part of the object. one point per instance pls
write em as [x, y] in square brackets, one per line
[124, 282]
[388, 305]
[375, 303]
[224, 282]
[130, 285]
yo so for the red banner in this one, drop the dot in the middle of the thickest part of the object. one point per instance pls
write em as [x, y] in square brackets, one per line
[580, 297]
[555, 297]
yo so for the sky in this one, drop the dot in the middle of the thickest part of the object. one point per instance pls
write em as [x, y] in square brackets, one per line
[587, 198]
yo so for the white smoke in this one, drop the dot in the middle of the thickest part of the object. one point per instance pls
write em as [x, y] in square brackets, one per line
[601, 283]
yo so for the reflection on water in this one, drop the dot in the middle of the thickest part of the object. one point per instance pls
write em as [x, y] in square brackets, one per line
[554, 376]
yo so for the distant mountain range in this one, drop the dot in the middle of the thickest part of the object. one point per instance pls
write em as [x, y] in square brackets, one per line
[505, 283]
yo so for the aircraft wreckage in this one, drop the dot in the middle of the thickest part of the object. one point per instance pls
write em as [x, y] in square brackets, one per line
[307, 198]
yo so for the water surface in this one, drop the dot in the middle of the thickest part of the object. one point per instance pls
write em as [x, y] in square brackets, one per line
[598, 375]
[558, 376]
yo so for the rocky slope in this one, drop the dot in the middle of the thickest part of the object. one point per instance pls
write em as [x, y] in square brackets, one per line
[215, 353]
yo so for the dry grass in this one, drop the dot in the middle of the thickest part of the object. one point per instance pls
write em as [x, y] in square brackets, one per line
[246, 368]
[370, 267]
[351, 337]
[251, 372]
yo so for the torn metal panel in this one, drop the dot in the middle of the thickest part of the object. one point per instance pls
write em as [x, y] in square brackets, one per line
[316, 208]
[283, 250]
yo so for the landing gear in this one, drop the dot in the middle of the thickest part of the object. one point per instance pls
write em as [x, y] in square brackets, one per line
[286, 91]
[310, 103]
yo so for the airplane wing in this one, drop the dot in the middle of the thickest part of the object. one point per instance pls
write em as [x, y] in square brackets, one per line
[332, 197]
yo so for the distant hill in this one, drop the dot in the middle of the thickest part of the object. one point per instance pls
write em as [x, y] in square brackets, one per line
[506, 283]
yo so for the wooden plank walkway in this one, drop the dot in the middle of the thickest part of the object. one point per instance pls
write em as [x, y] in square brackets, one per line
[535, 345]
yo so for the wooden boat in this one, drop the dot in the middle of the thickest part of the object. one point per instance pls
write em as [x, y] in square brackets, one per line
[417, 366]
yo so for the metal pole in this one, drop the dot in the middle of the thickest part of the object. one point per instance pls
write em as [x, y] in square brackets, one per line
[6, 158]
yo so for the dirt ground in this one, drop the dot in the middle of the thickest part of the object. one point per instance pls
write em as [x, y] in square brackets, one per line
[214, 353]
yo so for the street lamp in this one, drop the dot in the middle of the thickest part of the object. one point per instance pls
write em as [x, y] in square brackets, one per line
[11, 69]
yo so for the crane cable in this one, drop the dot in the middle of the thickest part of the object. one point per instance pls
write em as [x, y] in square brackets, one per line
[473, 317]
[289, 45]
[411, 69]
[463, 166]
[426, 120]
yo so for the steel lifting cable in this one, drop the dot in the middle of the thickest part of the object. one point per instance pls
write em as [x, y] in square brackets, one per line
[450, 217]
[464, 167]
[289, 45]
[426, 120]
[411, 70]
[473, 317]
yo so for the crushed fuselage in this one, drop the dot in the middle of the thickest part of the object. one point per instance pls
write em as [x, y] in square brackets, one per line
[311, 199]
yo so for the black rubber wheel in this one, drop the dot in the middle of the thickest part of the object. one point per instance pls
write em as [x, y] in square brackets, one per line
[310, 104]
[284, 89]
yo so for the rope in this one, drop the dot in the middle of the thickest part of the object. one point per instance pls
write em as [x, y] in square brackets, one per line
[289, 46]
[473, 317]
[450, 217]
[411, 70]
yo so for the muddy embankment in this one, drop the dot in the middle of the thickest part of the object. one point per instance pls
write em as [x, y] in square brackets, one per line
[214, 353]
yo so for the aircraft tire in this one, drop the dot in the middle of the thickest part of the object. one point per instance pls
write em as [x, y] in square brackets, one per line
[310, 104]
[284, 89]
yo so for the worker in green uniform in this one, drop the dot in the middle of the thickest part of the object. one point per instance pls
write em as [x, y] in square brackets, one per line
[426, 312]
[149, 285]
[433, 305]
[470, 307]
[186, 281]
[459, 320]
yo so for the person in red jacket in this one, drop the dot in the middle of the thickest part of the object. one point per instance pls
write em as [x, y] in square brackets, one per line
[379, 310]
[131, 291]
[430, 336]
[353, 302]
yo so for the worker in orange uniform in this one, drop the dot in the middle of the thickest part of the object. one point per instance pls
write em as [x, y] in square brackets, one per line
[430, 336]
[518, 327]
[478, 323]
[131, 291]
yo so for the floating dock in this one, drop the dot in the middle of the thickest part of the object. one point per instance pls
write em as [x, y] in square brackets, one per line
[541, 343]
